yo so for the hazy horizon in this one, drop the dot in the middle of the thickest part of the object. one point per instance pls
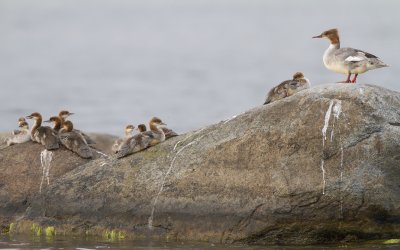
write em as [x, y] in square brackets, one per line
[191, 63]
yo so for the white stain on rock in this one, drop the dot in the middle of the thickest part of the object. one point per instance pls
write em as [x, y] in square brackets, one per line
[46, 157]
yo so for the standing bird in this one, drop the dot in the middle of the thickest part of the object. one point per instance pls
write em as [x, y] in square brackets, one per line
[43, 134]
[64, 114]
[288, 88]
[347, 60]
[74, 141]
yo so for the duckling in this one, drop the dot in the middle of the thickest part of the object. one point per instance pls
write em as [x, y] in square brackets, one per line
[21, 120]
[128, 133]
[168, 133]
[43, 134]
[22, 136]
[143, 140]
[288, 88]
[156, 133]
[57, 122]
[142, 128]
[64, 114]
[74, 141]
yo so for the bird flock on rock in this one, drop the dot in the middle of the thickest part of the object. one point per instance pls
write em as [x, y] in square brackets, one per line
[347, 61]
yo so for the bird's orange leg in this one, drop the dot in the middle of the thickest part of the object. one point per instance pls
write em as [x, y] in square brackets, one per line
[354, 78]
[348, 79]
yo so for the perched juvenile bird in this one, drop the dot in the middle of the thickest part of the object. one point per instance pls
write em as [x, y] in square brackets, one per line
[288, 88]
[143, 140]
[21, 120]
[43, 134]
[22, 136]
[128, 133]
[64, 114]
[347, 60]
[57, 122]
[142, 128]
[74, 141]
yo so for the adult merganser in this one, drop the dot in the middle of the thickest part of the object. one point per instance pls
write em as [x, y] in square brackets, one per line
[22, 136]
[74, 141]
[57, 122]
[64, 114]
[288, 88]
[43, 134]
[128, 134]
[347, 60]
[143, 140]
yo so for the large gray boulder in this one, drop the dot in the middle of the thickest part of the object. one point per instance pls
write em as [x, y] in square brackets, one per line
[320, 166]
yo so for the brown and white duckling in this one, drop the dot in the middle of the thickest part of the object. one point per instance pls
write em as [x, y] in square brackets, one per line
[128, 133]
[56, 121]
[21, 120]
[142, 128]
[288, 88]
[143, 140]
[23, 135]
[64, 114]
[43, 134]
[74, 141]
[156, 132]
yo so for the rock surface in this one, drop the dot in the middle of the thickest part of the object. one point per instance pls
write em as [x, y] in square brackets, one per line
[320, 166]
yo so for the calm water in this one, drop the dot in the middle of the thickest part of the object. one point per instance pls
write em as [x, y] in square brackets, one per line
[190, 62]
[82, 244]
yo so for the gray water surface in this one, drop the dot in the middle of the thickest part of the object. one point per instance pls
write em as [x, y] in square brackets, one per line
[59, 242]
[190, 62]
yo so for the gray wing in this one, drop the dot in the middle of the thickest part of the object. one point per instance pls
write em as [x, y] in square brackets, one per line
[133, 144]
[87, 138]
[48, 137]
[76, 143]
[169, 133]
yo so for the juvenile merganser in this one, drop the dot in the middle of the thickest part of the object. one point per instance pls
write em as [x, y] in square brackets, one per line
[128, 134]
[43, 134]
[168, 132]
[64, 114]
[23, 135]
[288, 88]
[74, 141]
[156, 132]
[57, 122]
[143, 140]
[142, 128]
[21, 120]
[347, 60]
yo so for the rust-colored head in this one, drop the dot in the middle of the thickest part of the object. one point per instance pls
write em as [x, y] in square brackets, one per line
[142, 128]
[54, 119]
[64, 114]
[68, 126]
[156, 120]
[35, 116]
[298, 75]
[332, 35]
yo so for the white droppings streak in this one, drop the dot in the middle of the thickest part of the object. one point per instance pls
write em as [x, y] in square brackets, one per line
[150, 220]
[327, 117]
[45, 159]
[323, 176]
[337, 109]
